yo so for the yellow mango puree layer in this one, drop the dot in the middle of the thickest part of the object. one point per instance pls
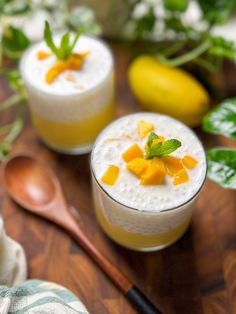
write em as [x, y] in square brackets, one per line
[137, 240]
[73, 134]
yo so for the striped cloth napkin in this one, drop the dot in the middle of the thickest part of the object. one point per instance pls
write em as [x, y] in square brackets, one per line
[39, 297]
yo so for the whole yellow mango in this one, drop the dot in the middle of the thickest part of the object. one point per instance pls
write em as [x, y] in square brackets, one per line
[167, 90]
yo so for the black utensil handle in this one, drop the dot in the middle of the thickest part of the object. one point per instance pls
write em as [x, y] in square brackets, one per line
[141, 302]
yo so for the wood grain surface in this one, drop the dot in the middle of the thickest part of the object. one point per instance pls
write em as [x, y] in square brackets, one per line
[197, 275]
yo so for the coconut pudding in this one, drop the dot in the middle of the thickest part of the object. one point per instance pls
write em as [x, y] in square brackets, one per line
[147, 170]
[70, 100]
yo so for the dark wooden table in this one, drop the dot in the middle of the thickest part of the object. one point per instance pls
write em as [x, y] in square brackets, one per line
[194, 276]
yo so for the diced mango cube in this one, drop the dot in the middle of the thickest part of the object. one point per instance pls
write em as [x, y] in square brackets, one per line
[133, 152]
[189, 162]
[154, 174]
[173, 165]
[144, 128]
[41, 55]
[158, 162]
[111, 175]
[137, 166]
[181, 177]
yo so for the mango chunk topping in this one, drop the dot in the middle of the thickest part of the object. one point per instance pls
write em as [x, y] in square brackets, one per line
[74, 62]
[189, 162]
[41, 55]
[144, 128]
[133, 152]
[111, 175]
[154, 174]
[173, 165]
[154, 163]
[137, 166]
[181, 177]
[150, 172]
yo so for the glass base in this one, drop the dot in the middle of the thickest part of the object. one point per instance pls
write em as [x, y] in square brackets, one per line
[81, 150]
[146, 249]
[155, 248]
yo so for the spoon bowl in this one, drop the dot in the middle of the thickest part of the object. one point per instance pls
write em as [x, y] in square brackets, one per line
[28, 182]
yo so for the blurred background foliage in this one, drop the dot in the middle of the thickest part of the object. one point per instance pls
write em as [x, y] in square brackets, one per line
[174, 31]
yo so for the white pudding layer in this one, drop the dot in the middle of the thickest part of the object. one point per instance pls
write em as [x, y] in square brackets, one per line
[119, 136]
[75, 95]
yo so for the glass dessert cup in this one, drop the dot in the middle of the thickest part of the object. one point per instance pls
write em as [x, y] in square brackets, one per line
[136, 228]
[70, 122]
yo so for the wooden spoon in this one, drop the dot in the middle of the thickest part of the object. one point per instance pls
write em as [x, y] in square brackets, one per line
[36, 188]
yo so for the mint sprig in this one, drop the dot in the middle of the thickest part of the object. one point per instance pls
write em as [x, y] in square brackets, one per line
[160, 149]
[65, 49]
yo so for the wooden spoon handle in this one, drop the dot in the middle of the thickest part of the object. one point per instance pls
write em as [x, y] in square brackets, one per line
[133, 294]
[142, 304]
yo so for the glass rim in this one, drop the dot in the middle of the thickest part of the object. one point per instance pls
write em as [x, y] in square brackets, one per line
[134, 208]
[76, 94]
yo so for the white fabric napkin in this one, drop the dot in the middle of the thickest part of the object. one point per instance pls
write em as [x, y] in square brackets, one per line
[13, 267]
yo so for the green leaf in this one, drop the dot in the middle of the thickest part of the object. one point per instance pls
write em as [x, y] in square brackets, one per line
[152, 136]
[79, 32]
[65, 48]
[222, 166]
[176, 5]
[222, 119]
[14, 42]
[48, 37]
[217, 11]
[221, 47]
[160, 149]
[164, 148]
[145, 24]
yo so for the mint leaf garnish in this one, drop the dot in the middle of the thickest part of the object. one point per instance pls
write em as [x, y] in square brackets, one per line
[48, 38]
[65, 49]
[160, 149]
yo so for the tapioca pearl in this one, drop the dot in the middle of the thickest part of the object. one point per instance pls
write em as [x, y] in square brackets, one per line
[123, 189]
[129, 189]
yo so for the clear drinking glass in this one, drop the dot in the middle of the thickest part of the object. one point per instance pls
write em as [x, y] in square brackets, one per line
[138, 229]
[69, 123]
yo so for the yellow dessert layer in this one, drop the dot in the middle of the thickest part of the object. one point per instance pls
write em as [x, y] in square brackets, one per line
[141, 241]
[73, 134]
